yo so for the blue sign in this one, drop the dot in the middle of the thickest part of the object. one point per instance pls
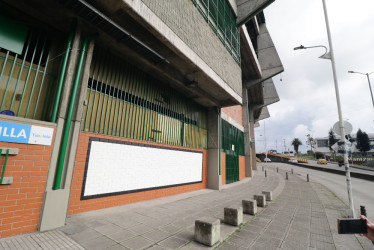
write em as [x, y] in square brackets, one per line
[14, 132]
[24, 133]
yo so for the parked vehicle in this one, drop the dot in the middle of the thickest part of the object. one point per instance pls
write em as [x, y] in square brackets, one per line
[341, 163]
[267, 160]
[321, 161]
[293, 161]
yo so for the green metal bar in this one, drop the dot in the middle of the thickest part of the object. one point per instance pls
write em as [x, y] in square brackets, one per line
[142, 109]
[115, 99]
[122, 96]
[66, 132]
[41, 86]
[35, 78]
[47, 101]
[4, 166]
[28, 75]
[95, 62]
[130, 104]
[96, 93]
[134, 106]
[145, 120]
[125, 103]
[109, 71]
[5, 61]
[7, 85]
[136, 111]
[26, 66]
[61, 78]
[109, 87]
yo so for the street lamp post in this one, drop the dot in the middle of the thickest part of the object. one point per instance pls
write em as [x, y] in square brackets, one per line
[367, 75]
[330, 55]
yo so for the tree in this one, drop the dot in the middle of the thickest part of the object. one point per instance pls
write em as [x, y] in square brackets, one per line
[296, 143]
[362, 141]
[332, 139]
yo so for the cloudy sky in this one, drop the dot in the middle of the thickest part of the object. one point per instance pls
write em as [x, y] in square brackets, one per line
[306, 88]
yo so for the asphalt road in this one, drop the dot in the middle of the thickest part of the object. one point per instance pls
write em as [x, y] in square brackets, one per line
[363, 191]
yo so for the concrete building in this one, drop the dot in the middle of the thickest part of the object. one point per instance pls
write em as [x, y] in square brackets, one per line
[105, 103]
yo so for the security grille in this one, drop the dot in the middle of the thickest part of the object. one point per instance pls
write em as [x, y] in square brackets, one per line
[233, 147]
[124, 101]
[221, 18]
[26, 79]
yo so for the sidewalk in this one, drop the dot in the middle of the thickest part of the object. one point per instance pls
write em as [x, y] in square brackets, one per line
[303, 216]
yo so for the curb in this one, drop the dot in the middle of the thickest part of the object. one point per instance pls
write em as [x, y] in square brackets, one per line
[335, 171]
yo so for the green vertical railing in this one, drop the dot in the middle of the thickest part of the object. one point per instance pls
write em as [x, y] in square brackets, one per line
[25, 79]
[126, 102]
[233, 147]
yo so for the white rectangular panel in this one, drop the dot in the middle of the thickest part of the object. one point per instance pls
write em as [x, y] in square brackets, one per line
[114, 168]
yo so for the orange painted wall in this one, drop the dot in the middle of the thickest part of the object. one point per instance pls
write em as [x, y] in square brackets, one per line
[223, 168]
[77, 205]
[21, 201]
[241, 167]
[235, 112]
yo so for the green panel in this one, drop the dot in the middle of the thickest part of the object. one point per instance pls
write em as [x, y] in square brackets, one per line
[12, 35]
[233, 147]
[222, 19]
[124, 101]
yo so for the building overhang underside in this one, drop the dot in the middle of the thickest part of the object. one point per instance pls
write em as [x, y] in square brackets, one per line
[122, 30]
[257, 77]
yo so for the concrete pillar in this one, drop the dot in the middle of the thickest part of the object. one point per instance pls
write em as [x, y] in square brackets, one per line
[54, 210]
[252, 138]
[247, 139]
[214, 151]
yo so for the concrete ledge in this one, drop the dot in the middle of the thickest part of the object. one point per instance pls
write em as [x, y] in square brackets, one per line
[249, 207]
[207, 231]
[268, 195]
[261, 200]
[233, 215]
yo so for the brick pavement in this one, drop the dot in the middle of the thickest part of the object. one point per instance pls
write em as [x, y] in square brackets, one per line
[303, 216]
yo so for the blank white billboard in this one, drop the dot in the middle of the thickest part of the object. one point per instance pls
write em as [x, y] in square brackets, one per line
[120, 168]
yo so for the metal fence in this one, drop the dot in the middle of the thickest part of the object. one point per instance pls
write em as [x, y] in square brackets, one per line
[126, 102]
[233, 146]
[222, 19]
[26, 80]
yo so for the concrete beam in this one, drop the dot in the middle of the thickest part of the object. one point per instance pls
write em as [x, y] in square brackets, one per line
[268, 58]
[214, 151]
[247, 9]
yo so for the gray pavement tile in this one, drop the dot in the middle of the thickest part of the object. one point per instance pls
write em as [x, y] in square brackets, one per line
[121, 235]
[96, 223]
[156, 247]
[173, 243]
[247, 234]
[323, 238]
[170, 229]
[116, 247]
[98, 243]
[72, 229]
[156, 235]
[107, 229]
[126, 223]
[137, 243]
[140, 229]
[186, 235]
[268, 239]
[230, 246]
[239, 241]
[85, 235]
[322, 245]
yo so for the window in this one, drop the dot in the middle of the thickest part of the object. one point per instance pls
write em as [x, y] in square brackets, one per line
[221, 18]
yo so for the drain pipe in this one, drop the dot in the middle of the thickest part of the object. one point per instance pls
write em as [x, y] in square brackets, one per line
[66, 132]
[63, 71]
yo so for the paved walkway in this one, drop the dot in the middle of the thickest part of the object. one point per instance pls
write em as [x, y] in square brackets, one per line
[302, 216]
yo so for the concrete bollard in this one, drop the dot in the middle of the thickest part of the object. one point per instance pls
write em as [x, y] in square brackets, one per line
[266, 174]
[291, 170]
[261, 199]
[307, 177]
[249, 207]
[268, 195]
[286, 175]
[233, 215]
[277, 170]
[207, 231]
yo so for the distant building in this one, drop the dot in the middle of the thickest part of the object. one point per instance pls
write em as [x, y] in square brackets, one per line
[322, 145]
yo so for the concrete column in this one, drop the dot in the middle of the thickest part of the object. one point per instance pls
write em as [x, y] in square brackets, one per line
[247, 139]
[214, 151]
[54, 210]
[252, 138]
